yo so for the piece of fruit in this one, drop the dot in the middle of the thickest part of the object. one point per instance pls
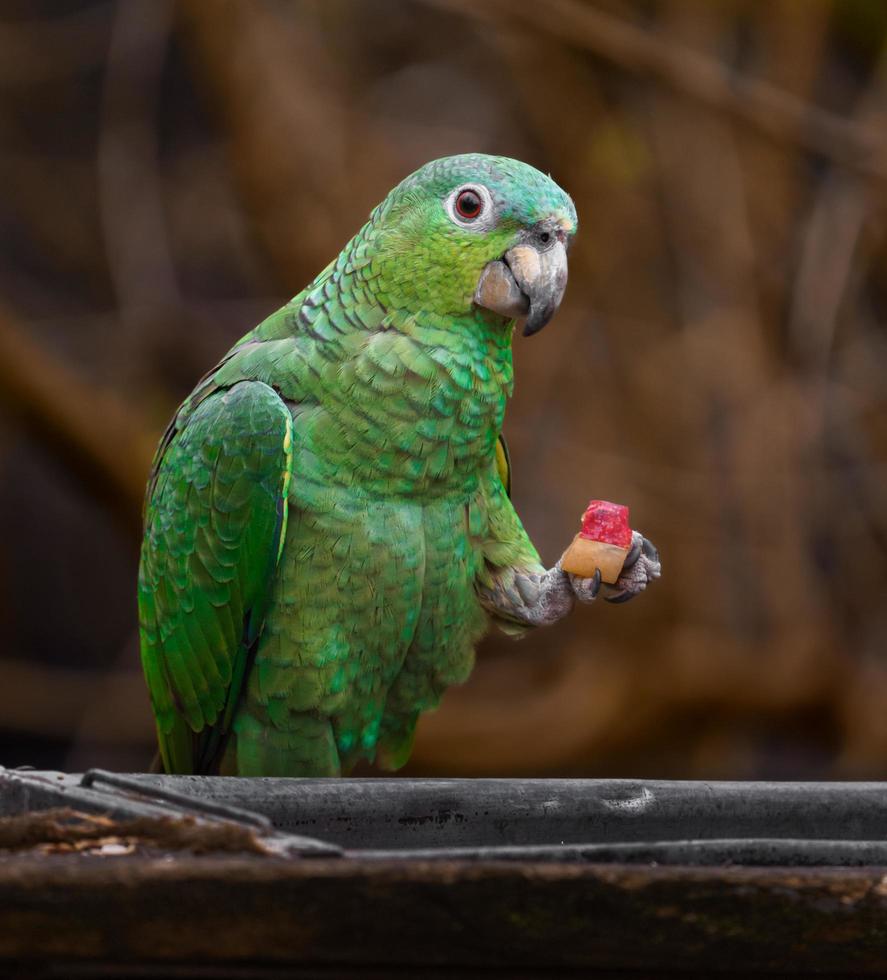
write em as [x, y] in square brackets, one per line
[603, 542]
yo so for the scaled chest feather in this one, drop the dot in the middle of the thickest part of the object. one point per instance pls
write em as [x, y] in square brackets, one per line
[400, 419]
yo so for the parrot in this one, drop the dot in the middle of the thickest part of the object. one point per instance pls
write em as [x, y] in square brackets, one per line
[328, 529]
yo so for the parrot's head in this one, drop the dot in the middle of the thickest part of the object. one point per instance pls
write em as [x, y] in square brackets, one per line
[476, 231]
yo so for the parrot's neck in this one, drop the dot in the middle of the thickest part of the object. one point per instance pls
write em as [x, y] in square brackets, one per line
[426, 398]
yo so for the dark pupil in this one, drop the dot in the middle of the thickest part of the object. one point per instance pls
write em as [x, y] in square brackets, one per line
[468, 204]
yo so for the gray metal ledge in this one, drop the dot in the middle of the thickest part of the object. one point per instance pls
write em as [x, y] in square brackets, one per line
[838, 824]
[405, 877]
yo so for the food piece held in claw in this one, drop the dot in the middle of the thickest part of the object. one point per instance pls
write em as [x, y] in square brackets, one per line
[603, 543]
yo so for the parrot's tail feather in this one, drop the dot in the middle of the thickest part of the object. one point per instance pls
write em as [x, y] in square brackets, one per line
[213, 742]
[306, 748]
[177, 747]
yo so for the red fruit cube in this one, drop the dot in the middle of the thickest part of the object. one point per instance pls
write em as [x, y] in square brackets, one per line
[604, 521]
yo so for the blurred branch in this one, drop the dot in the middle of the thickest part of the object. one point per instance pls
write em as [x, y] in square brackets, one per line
[51, 701]
[98, 435]
[842, 208]
[40, 50]
[130, 193]
[588, 709]
[284, 112]
[770, 109]
[837, 246]
[55, 213]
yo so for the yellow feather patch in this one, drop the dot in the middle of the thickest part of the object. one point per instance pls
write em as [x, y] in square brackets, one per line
[503, 464]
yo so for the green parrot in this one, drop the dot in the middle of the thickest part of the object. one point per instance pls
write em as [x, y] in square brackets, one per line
[328, 529]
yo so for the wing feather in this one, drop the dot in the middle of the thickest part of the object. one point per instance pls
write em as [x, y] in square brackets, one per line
[214, 525]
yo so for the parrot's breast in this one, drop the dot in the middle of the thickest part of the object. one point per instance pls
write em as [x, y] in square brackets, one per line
[373, 614]
[373, 611]
[401, 418]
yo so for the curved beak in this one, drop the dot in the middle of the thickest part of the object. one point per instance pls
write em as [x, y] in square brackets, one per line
[527, 281]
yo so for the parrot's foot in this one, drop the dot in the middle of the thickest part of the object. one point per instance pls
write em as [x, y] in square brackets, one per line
[529, 597]
[536, 597]
[641, 567]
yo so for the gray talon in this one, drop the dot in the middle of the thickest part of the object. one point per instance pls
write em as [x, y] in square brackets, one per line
[650, 550]
[634, 554]
[595, 583]
[620, 597]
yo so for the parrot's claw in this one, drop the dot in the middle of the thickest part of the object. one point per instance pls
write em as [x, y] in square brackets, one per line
[635, 551]
[618, 597]
[586, 589]
[641, 567]
[595, 583]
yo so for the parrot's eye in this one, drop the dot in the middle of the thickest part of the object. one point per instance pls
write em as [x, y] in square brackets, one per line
[470, 206]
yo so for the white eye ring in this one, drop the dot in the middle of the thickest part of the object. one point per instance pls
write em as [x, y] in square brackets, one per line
[484, 217]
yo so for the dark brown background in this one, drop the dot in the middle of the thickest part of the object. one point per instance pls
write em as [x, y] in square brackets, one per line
[171, 172]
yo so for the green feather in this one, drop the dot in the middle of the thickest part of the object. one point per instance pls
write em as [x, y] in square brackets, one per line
[325, 505]
[209, 553]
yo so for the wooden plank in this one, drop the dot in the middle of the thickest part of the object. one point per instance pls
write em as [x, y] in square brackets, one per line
[345, 915]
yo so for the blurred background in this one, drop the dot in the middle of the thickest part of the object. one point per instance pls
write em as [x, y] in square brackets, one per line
[171, 172]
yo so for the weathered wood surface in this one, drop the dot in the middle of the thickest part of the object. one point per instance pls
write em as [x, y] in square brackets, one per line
[339, 916]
